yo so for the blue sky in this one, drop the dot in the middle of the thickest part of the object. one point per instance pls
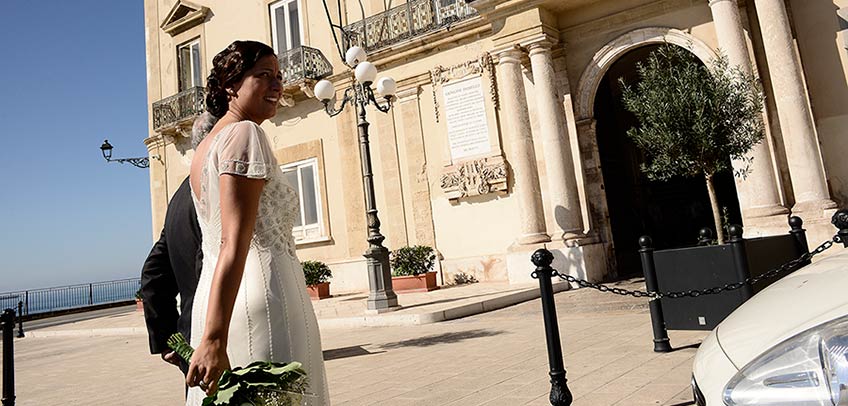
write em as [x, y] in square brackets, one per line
[72, 74]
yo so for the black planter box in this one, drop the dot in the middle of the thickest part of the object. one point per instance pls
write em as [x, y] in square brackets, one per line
[710, 266]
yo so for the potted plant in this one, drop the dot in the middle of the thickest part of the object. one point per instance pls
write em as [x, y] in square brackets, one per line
[412, 269]
[317, 276]
[139, 301]
[694, 119]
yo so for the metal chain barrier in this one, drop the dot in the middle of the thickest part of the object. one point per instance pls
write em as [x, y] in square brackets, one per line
[793, 264]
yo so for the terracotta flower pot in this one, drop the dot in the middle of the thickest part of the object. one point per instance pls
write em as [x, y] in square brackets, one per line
[139, 305]
[415, 283]
[319, 291]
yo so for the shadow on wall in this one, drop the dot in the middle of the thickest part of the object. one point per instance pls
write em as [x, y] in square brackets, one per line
[561, 214]
[821, 50]
[570, 261]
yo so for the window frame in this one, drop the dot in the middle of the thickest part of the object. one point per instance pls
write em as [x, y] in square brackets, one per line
[300, 232]
[199, 63]
[272, 8]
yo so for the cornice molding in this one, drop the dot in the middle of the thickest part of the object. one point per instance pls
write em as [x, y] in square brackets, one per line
[184, 15]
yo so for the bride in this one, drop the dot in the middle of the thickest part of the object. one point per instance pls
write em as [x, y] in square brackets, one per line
[251, 302]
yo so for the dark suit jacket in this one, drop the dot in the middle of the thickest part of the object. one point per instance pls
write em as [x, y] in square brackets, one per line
[173, 267]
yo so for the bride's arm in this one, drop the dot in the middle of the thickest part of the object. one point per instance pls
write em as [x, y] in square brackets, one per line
[239, 206]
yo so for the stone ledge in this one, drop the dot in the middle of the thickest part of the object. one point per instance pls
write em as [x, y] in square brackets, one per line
[445, 314]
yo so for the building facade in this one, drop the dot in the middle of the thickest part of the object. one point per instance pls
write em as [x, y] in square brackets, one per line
[507, 133]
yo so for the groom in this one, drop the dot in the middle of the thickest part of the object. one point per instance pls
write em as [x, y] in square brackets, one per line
[173, 266]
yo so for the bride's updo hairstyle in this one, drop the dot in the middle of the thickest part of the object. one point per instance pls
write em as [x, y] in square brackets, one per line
[228, 67]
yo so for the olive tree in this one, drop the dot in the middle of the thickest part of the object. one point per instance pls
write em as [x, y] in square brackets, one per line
[694, 119]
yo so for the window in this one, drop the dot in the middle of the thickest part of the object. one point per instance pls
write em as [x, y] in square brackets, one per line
[285, 25]
[189, 65]
[303, 176]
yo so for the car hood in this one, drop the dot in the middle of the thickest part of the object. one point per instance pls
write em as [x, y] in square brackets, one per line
[806, 298]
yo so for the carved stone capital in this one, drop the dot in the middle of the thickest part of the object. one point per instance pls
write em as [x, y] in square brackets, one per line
[714, 2]
[475, 177]
[408, 94]
[512, 55]
[539, 43]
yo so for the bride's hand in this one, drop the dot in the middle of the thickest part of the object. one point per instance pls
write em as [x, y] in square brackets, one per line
[207, 364]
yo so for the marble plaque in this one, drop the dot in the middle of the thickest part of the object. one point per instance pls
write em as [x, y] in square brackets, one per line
[465, 115]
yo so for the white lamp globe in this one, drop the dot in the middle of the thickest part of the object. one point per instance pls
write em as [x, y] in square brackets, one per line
[365, 73]
[324, 90]
[386, 86]
[355, 55]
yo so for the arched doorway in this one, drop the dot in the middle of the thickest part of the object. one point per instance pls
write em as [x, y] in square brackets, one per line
[672, 211]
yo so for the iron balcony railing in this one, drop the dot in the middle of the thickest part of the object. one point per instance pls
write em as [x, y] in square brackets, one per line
[416, 17]
[302, 63]
[182, 106]
[296, 65]
[45, 300]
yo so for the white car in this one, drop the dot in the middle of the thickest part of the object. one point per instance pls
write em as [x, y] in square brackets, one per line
[787, 345]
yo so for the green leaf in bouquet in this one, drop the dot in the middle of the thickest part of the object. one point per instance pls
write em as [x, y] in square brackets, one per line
[224, 395]
[259, 383]
[281, 369]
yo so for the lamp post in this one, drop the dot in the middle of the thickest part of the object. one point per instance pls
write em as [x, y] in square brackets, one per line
[142, 162]
[381, 297]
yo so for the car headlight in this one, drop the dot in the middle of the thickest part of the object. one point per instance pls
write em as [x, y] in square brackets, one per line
[809, 369]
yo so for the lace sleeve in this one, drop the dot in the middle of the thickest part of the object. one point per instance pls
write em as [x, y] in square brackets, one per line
[245, 151]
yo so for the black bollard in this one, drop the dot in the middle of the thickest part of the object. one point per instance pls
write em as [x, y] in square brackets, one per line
[20, 319]
[705, 236]
[740, 258]
[560, 395]
[840, 220]
[796, 228]
[8, 321]
[646, 251]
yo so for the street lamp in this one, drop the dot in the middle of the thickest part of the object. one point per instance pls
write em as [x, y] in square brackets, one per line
[381, 297]
[106, 149]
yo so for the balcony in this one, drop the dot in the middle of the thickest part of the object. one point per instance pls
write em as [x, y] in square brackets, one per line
[303, 64]
[177, 113]
[415, 18]
[301, 68]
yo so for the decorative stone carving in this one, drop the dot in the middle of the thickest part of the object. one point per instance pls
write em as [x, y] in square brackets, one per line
[484, 64]
[286, 100]
[475, 177]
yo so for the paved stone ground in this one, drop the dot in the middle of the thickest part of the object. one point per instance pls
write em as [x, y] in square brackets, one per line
[496, 358]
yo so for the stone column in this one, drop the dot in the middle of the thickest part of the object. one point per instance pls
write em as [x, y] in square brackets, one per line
[159, 196]
[758, 193]
[562, 185]
[796, 123]
[420, 223]
[522, 155]
[392, 205]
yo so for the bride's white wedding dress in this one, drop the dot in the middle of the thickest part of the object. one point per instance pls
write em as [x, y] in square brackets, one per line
[273, 318]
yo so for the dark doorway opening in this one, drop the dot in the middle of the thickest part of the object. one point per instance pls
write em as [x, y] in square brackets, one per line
[671, 212]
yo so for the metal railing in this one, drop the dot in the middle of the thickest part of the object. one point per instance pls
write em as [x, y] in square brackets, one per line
[8, 326]
[414, 18]
[302, 63]
[45, 300]
[560, 394]
[182, 106]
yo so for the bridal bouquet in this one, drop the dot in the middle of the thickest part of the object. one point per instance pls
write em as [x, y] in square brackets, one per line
[261, 383]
